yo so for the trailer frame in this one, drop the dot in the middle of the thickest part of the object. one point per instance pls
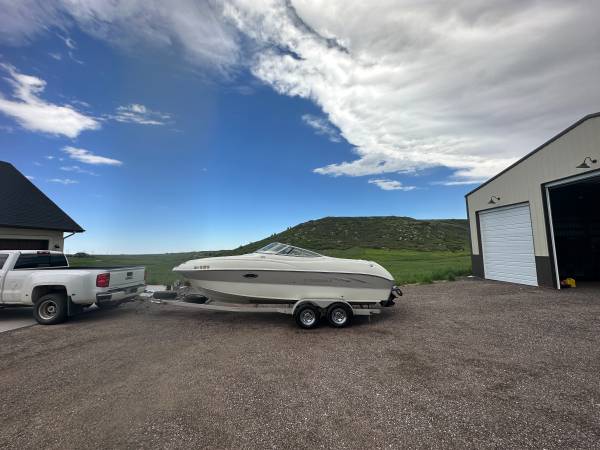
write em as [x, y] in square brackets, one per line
[323, 307]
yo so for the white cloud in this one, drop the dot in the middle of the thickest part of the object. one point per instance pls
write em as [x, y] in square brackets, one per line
[322, 127]
[70, 43]
[466, 85]
[455, 183]
[136, 113]
[194, 27]
[87, 157]
[50, 157]
[77, 169]
[35, 114]
[65, 181]
[390, 185]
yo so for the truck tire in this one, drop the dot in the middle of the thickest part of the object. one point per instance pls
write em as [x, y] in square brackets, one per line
[339, 315]
[51, 309]
[307, 316]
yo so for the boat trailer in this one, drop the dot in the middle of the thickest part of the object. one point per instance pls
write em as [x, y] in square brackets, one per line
[306, 312]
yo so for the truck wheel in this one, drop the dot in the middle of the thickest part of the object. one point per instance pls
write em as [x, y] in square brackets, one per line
[339, 315]
[51, 309]
[307, 316]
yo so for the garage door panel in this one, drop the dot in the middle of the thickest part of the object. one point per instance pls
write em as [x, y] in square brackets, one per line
[23, 244]
[513, 277]
[516, 227]
[507, 244]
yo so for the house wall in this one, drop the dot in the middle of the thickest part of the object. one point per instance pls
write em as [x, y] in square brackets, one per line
[54, 237]
[523, 183]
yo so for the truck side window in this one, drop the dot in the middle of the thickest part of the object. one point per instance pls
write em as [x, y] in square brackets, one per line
[33, 261]
[3, 258]
[58, 260]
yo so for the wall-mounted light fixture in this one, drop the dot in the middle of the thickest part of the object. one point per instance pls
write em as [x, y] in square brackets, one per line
[493, 200]
[585, 165]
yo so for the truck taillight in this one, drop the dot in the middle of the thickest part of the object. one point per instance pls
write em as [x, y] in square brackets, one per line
[103, 280]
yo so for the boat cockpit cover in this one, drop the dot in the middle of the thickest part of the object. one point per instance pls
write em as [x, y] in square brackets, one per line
[275, 248]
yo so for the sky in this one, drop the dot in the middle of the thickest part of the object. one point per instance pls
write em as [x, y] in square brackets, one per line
[196, 125]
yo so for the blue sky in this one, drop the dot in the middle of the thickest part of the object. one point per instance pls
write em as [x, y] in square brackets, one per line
[163, 148]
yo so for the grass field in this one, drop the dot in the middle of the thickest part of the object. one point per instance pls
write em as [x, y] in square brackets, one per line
[405, 265]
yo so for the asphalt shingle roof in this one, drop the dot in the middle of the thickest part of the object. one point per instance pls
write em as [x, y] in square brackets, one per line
[22, 205]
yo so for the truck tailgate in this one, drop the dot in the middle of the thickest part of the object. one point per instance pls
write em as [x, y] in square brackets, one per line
[126, 277]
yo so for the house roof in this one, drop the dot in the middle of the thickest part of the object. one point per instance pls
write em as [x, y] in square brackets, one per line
[541, 147]
[24, 206]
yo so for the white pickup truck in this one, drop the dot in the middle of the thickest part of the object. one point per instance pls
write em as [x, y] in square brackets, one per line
[44, 280]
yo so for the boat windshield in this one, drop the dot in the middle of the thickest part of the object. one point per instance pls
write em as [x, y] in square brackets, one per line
[275, 248]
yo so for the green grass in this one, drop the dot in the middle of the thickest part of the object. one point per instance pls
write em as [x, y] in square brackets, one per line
[409, 266]
[406, 266]
[158, 267]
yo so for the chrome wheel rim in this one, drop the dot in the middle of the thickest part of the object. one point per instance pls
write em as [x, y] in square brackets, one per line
[308, 317]
[48, 309]
[339, 316]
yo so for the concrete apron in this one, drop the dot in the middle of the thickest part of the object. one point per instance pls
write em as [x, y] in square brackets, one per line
[13, 318]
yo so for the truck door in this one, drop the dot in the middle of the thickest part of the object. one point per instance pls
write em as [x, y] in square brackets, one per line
[15, 279]
[3, 258]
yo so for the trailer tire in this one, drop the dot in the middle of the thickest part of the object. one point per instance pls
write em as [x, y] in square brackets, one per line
[165, 295]
[194, 298]
[51, 309]
[307, 316]
[339, 315]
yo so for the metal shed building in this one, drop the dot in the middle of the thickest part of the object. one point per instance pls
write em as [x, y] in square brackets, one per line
[28, 219]
[538, 221]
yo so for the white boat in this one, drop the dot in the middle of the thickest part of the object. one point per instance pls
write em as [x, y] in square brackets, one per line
[284, 274]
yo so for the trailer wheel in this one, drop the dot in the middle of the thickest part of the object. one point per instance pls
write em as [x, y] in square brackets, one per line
[339, 315]
[307, 316]
[51, 309]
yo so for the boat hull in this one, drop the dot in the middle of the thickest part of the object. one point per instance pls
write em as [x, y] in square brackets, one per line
[271, 286]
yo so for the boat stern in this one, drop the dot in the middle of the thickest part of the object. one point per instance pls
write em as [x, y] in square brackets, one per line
[395, 294]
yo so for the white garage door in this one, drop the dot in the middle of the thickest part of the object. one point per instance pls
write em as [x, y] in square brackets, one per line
[507, 241]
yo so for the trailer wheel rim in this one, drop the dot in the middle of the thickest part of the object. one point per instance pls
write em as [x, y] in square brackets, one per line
[339, 316]
[48, 309]
[308, 317]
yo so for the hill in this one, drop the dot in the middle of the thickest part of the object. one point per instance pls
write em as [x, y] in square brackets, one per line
[398, 233]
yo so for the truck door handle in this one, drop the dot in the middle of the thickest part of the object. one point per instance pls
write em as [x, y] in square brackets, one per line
[250, 275]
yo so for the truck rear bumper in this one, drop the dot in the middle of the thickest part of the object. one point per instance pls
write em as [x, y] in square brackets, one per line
[120, 295]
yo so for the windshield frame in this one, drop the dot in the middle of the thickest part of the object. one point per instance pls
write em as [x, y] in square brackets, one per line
[279, 249]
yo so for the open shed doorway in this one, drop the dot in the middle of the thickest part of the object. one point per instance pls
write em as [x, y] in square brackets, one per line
[576, 227]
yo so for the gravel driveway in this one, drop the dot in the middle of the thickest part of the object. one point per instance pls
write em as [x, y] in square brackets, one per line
[462, 364]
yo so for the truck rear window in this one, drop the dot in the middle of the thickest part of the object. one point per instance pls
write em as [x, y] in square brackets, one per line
[40, 260]
[3, 258]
